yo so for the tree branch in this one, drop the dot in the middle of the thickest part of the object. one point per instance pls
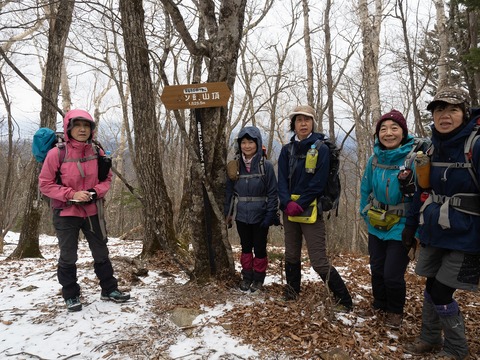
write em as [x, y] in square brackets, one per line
[202, 49]
[37, 90]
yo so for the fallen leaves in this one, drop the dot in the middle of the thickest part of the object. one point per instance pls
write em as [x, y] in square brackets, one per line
[309, 328]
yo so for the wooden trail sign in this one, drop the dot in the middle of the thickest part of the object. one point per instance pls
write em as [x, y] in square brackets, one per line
[194, 96]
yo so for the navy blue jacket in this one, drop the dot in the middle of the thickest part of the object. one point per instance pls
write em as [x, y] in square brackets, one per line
[257, 185]
[308, 186]
[464, 231]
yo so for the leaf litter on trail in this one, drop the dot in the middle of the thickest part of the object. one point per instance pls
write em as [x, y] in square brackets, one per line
[259, 325]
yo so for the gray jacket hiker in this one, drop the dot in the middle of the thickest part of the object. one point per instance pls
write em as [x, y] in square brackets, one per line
[254, 192]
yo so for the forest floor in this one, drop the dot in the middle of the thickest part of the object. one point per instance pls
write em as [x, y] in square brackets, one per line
[170, 317]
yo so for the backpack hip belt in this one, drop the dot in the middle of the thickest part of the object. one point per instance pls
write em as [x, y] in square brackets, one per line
[464, 202]
[398, 209]
[251, 198]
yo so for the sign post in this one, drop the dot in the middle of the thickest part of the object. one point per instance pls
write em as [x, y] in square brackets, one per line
[196, 96]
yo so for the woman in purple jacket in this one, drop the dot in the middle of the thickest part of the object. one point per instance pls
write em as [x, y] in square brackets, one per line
[69, 177]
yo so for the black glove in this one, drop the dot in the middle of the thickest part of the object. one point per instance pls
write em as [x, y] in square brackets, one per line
[93, 195]
[276, 220]
[267, 221]
[408, 236]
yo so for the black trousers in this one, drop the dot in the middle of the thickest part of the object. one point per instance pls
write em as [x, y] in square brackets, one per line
[68, 229]
[253, 237]
[388, 263]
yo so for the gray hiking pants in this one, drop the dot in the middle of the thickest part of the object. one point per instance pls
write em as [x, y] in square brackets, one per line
[314, 235]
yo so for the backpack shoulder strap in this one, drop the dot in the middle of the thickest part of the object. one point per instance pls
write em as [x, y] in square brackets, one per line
[261, 165]
[292, 161]
[468, 150]
[383, 166]
[419, 144]
[469, 143]
[62, 153]
[319, 143]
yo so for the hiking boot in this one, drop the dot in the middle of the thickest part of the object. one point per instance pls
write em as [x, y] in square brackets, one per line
[420, 347]
[289, 294]
[256, 285]
[371, 312]
[443, 355]
[245, 284]
[393, 321]
[116, 296]
[73, 304]
[340, 308]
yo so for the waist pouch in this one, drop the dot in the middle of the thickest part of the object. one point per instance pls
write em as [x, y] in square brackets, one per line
[308, 216]
[381, 219]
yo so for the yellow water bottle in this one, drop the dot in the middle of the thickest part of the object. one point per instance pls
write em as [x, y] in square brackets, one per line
[311, 160]
[422, 169]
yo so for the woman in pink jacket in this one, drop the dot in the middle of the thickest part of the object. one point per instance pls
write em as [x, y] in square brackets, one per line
[69, 177]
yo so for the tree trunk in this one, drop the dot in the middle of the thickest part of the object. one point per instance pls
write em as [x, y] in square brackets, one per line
[157, 207]
[309, 58]
[28, 245]
[6, 189]
[443, 43]
[329, 72]
[473, 46]
[370, 27]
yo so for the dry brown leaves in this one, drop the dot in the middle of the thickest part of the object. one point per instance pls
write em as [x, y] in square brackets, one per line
[309, 328]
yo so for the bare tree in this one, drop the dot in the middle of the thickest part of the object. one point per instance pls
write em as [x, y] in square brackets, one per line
[415, 84]
[308, 56]
[442, 64]
[8, 186]
[370, 27]
[329, 71]
[28, 245]
[157, 207]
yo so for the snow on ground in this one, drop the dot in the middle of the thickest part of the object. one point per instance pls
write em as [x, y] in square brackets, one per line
[170, 318]
[34, 323]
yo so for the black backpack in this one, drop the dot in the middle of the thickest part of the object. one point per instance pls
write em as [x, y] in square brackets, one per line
[331, 196]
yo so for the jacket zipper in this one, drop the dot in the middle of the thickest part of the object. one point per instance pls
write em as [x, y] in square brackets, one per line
[386, 192]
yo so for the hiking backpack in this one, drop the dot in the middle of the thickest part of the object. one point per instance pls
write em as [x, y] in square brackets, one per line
[331, 196]
[45, 139]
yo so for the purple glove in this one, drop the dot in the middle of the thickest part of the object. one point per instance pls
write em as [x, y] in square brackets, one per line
[293, 209]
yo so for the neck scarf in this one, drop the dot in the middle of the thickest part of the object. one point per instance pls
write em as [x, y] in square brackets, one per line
[248, 162]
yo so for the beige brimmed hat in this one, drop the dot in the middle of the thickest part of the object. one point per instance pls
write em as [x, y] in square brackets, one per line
[302, 110]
